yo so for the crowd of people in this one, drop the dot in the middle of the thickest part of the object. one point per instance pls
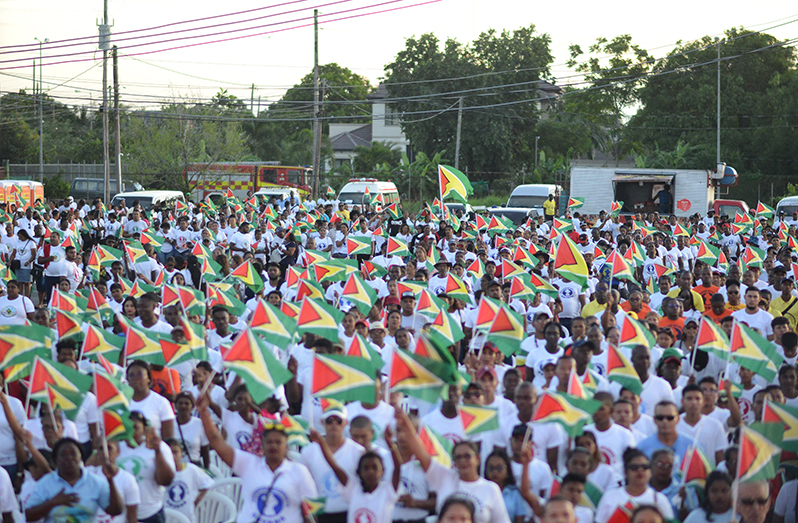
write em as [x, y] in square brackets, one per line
[373, 462]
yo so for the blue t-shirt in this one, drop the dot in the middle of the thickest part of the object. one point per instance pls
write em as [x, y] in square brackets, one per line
[93, 491]
[515, 503]
[679, 448]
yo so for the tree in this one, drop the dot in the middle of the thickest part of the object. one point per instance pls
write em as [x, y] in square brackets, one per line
[161, 145]
[613, 86]
[369, 159]
[504, 70]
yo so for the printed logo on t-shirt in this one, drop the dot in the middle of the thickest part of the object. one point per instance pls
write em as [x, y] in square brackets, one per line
[9, 311]
[330, 482]
[270, 502]
[243, 438]
[567, 293]
[132, 464]
[177, 494]
[364, 515]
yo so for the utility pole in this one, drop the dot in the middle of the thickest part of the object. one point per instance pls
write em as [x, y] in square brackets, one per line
[117, 129]
[457, 140]
[536, 152]
[252, 99]
[105, 37]
[41, 110]
[717, 144]
[316, 106]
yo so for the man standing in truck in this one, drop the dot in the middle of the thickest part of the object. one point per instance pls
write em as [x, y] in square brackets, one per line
[665, 200]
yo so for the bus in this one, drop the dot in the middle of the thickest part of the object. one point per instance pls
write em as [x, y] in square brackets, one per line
[244, 177]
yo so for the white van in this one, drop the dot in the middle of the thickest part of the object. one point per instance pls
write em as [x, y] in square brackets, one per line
[149, 198]
[281, 193]
[354, 192]
[788, 205]
[527, 201]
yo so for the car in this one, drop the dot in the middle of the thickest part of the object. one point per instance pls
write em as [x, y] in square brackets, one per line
[460, 210]
[526, 201]
[90, 189]
[149, 198]
[354, 192]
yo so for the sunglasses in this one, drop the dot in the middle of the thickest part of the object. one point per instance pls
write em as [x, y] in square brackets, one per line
[472, 394]
[661, 417]
[639, 466]
[334, 419]
[749, 502]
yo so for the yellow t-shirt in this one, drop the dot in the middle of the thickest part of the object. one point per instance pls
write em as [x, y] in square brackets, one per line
[548, 207]
[778, 306]
[698, 301]
[737, 307]
[593, 308]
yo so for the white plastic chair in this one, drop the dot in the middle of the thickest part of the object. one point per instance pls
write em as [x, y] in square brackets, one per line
[216, 508]
[173, 516]
[218, 464]
[230, 487]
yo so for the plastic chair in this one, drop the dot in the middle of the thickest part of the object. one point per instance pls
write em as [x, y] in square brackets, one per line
[229, 487]
[217, 464]
[173, 516]
[216, 508]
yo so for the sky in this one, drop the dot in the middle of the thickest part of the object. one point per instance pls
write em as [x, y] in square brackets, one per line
[275, 61]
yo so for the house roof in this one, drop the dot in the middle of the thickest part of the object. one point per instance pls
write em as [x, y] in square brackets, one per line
[379, 94]
[349, 140]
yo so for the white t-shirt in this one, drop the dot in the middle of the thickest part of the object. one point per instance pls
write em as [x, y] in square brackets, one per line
[614, 498]
[194, 437]
[414, 482]
[185, 488]
[484, 494]
[14, 312]
[272, 497]
[239, 432]
[156, 409]
[137, 227]
[785, 502]
[140, 461]
[376, 506]
[8, 501]
[612, 443]
[87, 414]
[347, 456]
[760, 320]
[381, 416]
[128, 490]
[451, 429]
[712, 436]
[540, 477]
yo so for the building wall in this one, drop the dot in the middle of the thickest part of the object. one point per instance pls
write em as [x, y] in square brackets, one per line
[387, 130]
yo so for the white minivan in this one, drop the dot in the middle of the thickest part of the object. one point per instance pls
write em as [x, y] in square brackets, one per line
[354, 192]
[149, 198]
[787, 205]
[527, 201]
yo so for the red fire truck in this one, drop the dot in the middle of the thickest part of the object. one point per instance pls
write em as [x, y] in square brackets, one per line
[241, 177]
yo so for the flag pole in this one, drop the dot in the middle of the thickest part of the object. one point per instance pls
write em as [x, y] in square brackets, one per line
[207, 384]
[94, 384]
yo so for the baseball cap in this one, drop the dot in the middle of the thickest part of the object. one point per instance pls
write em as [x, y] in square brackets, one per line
[408, 294]
[671, 354]
[391, 300]
[335, 411]
[377, 326]
[486, 370]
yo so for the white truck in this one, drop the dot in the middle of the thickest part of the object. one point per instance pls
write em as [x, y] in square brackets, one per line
[692, 190]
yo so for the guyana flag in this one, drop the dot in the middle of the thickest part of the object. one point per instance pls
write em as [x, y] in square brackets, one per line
[765, 211]
[135, 251]
[542, 286]
[394, 212]
[175, 353]
[250, 358]
[478, 419]
[153, 239]
[784, 415]
[309, 289]
[218, 294]
[569, 411]
[110, 391]
[454, 184]
[97, 304]
[345, 378]
[99, 341]
[633, 333]
[456, 288]
[619, 268]
[695, 467]
[754, 352]
[319, 318]
[247, 274]
[361, 295]
[575, 203]
[67, 400]
[312, 507]
[711, 338]
[429, 305]
[575, 385]
[615, 208]
[141, 344]
[397, 247]
[521, 288]
[438, 447]
[444, 330]
[420, 377]
[759, 453]
[486, 312]
[17, 346]
[190, 300]
[117, 423]
[139, 289]
[52, 373]
[569, 262]
[333, 270]
[507, 330]
[358, 245]
[361, 348]
[619, 369]
[330, 191]
[67, 325]
[271, 323]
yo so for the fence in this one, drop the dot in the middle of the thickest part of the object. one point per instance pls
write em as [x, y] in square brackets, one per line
[68, 171]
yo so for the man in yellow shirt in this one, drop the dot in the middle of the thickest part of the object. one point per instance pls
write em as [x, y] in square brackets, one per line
[549, 208]
[786, 304]
[685, 283]
[599, 303]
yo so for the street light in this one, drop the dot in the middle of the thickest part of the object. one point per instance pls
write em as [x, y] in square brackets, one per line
[536, 152]
[41, 111]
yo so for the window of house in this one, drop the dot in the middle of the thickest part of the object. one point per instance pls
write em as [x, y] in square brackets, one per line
[391, 116]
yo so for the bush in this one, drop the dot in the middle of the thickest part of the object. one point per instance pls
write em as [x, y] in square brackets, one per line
[56, 188]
